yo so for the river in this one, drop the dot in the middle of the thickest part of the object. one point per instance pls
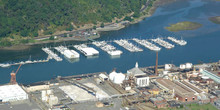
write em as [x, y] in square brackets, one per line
[203, 45]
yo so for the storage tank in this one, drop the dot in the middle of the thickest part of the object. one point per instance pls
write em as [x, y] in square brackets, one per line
[189, 65]
[53, 100]
[182, 66]
[168, 66]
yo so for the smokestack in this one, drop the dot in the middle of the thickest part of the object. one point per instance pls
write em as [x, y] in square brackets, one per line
[156, 67]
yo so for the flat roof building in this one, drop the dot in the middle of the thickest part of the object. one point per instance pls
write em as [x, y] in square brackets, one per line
[181, 93]
[10, 93]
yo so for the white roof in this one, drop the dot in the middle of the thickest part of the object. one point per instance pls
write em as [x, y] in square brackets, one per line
[11, 91]
[103, 75]
[117, 78]
[90, 50]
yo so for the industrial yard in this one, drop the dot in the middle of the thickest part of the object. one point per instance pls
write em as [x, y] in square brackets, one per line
[155, 87]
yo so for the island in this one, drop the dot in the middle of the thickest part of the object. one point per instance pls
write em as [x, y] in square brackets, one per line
[185, 25]
[215, 19]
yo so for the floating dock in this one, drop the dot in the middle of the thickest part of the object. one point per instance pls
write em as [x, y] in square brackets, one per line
[111, 50]
[179, 42]
[163, 43]
[87, 51]
[52, 54]
[147, 44]
[67, 52]
[128, 46]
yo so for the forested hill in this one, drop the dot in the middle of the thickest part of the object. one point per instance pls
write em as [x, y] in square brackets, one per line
[26, 17]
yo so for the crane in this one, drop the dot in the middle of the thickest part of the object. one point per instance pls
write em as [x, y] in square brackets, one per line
[13, 76]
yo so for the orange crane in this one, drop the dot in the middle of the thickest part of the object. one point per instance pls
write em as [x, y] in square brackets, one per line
[13, 76]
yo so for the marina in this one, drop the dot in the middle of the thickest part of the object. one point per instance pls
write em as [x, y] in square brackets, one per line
[87, 51]
[67, 52]
[52, 54]
[72, 56]
[163, 43]
[128, 46]
[179, 42]
[111, 50]
[147, 44]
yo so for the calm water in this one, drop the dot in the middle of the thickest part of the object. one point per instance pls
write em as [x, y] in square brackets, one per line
[203, 45]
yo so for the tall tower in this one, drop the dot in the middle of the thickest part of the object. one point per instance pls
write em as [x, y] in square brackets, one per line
[13, 78]
[156, 67]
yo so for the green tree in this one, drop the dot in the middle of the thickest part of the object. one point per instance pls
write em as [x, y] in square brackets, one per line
[94, 27]
[102, 25]
[51, 38]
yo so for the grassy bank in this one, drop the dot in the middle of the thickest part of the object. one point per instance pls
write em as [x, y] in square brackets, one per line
[215, 19]
[185, 25]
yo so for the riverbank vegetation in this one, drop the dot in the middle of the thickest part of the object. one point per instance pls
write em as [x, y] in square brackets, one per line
[21, 21]
[34, 17]
[215, 19]
[185, 25]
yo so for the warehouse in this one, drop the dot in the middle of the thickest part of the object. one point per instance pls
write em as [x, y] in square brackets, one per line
[10, 93]
[181, 94]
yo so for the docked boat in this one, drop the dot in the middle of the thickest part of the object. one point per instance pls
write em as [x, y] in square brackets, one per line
[163, 43]
[147, 44]
[111, 50]
[179, 42]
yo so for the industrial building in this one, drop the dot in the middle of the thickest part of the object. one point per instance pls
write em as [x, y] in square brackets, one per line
[140, 78]
[10, 93]
[181, 93]
[116, 78]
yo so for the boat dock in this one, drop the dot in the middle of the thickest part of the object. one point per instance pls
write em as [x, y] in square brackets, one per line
[111, 50]
[128, 46]
[67, 52]
[52, 54]
[147, 44]
[179, 42]
[23, 62]
[87, 51]
[163, 43]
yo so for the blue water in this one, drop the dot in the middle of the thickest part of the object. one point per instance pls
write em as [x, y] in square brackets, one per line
[203, 45]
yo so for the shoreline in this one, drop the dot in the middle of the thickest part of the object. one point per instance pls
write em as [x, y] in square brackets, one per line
[119, 26]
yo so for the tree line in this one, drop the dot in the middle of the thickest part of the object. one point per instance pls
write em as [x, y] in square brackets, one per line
[27, 17]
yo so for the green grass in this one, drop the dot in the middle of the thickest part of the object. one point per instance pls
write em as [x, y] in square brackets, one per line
[215, 20]
[185, 25]
[195, 107]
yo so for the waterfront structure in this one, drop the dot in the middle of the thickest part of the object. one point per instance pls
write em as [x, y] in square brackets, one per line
[179, 42]
[210, 75]
[163, 43]
[67, 52]
[128, 45]
[147, 44]
[11, 93]
[87, 51]
[111, 50]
